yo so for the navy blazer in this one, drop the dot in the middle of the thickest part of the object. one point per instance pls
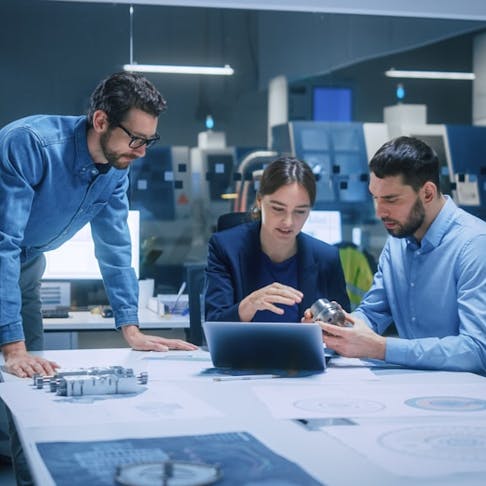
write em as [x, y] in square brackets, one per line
[232, 271]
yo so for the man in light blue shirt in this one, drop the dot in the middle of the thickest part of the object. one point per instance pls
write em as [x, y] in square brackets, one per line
[431, 277]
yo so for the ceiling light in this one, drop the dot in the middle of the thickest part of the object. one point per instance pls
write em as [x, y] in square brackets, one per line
[225, 70]
[229, 195]
[397, 73]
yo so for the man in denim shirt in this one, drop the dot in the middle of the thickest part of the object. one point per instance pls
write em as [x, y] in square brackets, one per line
[57, 174]
[431, 278]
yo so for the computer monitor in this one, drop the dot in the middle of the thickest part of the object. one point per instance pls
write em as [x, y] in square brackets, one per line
[325, 226]
[332, 104]
[75, 259]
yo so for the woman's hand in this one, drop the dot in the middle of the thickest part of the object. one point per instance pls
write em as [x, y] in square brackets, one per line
[266, 298]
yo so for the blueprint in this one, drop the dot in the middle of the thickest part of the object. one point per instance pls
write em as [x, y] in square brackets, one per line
[241, 458]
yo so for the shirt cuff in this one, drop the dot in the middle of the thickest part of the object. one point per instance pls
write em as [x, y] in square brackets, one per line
[11, 333]
[126, 317]
[362, 317]
[396, 350]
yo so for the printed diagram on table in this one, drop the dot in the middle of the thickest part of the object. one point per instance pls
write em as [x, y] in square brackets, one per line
[343, 405]
[454, 443]
[447, 404]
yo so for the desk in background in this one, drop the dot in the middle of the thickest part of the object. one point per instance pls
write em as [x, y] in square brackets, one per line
[64, 333]
[356, 427]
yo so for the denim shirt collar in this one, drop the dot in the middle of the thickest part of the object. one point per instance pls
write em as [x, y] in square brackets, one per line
[85, 165]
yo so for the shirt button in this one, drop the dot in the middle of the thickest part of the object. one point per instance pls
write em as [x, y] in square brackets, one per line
[412, 284]
[414, 318]
[94, 172]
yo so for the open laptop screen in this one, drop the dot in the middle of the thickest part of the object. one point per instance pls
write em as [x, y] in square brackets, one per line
[292, 347]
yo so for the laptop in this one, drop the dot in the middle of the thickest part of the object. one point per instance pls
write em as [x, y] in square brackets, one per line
[265, 346]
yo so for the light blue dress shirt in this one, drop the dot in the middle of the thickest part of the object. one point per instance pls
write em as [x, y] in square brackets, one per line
[49, 189]
[435, 293]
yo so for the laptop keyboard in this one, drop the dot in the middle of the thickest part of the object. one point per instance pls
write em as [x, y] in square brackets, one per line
[54, 313]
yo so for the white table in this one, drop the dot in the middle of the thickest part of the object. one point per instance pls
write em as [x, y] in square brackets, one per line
[237, 405]
[86, 321]
[63, 333]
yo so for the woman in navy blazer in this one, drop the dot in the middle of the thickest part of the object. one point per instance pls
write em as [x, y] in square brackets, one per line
[267, 270]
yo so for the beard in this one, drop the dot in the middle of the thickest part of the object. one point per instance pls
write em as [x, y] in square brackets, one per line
[414, 221]
[115, 159]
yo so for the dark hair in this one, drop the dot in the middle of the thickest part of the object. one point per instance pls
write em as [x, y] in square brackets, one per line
[409, 157]
[122, 91]
[287, 170]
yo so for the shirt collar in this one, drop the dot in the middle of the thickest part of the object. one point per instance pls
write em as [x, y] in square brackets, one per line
[81, 136]
[436, 231]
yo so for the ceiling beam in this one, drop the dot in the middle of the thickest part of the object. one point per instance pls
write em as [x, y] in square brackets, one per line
[439, 9]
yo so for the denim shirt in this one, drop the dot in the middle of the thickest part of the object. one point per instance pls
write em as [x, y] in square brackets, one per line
[49, 189]
[435, 293]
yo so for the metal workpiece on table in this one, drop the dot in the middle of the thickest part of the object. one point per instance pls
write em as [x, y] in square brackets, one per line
[93, 381]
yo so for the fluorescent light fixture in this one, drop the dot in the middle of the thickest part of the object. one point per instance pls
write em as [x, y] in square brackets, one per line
[229, 195]
[225, 70]
[397, 73]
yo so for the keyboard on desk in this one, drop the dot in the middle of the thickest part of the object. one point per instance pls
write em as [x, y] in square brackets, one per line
[58, 313]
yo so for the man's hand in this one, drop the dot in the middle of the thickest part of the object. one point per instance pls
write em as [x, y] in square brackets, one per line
[144, 342]
[358, 341]
[266, 298]
[308, 317]
[20, 363]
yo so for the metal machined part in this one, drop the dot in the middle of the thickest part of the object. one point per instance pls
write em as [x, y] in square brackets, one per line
[93, 381]
[330, 312]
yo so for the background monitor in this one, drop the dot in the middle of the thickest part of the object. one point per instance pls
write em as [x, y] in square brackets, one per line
[75, 259]
[325, 226]
[332, 104]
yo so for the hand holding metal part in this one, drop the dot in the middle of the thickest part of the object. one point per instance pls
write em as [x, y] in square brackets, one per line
[329, 312]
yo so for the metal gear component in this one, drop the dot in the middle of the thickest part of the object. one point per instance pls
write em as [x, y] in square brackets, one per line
[330, 312]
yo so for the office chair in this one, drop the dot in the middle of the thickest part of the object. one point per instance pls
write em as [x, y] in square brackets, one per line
[228, 220]
[195, 290]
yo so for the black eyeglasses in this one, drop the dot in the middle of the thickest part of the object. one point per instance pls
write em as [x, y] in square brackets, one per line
[137, 142]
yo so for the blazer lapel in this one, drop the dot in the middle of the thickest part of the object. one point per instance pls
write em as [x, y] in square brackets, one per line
[308, 273]
[250, 260]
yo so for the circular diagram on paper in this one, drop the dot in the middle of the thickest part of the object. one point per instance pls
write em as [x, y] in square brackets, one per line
[447, 404]
[453, 443]
[343, 406]
[170, 473]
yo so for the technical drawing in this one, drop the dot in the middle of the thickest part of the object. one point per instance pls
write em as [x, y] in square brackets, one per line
[240, 458]
[348, 406]
[448, 443]
[447, 403]
[170, 473]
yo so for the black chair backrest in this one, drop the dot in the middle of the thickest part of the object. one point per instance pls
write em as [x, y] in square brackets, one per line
[195, 290]
[228, 220]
